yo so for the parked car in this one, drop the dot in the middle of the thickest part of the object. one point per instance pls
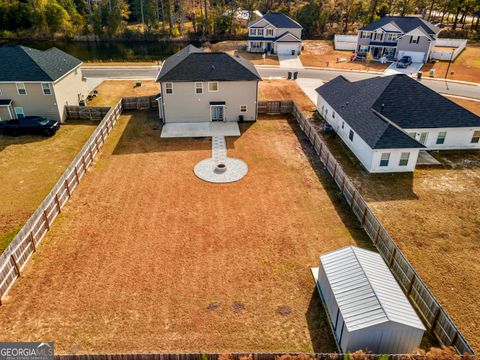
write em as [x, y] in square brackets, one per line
[404, 62]
[37, 125]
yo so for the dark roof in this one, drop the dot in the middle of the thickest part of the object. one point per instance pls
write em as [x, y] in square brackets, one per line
[192, 64]
[280, 20]
[5, 102]
[405, 23]
[405, 102]
[21, 63]
[353, 102]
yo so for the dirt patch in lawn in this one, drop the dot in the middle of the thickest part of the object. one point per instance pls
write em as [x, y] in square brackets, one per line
[465, 67]
[29, 167]
[147, 258]
[110, 91]
[320, 53]
[239, 47]
[285, 90]
[433, 215]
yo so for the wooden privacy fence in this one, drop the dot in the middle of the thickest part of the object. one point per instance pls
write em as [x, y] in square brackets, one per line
[87, 112]
[434, 316]
[275, 107]
[140, 102]
[22, 247]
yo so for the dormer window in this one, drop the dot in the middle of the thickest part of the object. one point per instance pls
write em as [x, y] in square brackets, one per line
[253, 32]
[414, 39]
[269, 32]
[378, 36]
[260, 32]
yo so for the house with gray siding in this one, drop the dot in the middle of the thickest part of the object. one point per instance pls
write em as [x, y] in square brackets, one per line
[275, 33]
[198, 86]
[385, 121]
[38, 83]
[395, 36]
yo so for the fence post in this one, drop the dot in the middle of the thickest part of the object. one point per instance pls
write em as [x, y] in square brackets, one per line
[392, 257]
[46, 219]
[32, 241]
[377, 234]
[435, 319]
[58, 203]
[410, 286]
[364, 214]
[68, 188]
[84, 163]
[343, 182]
[15, 265]
[335, 170]
[76, 174]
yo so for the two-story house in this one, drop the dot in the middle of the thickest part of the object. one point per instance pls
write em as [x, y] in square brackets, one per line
[198, 86]
[395, 36]
[275, 33]
[40, 83]
[387, 120]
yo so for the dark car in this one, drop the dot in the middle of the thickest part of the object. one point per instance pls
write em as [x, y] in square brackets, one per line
[404, 62]
[35, 125]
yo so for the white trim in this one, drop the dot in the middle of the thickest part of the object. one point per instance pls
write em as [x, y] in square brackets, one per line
[10, 111]
[15, 110]
[68, 73]
[196, 88]
[18, 88]
[50, 88]
[0, 92]
[223, 112]
[213, 82]
[167, 93]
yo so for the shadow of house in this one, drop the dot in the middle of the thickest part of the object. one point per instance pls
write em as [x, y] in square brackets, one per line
[147, 126]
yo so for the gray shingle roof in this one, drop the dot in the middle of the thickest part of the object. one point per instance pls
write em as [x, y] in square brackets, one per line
[353, 102]
[279, 20]
[192, 64]
[21, 63]
[405, 23]
[405, 102]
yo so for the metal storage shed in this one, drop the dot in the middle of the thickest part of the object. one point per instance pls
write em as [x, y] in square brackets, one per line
[365, 305]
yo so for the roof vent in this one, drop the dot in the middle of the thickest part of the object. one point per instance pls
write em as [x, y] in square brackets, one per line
[212, 68]
[383, 106]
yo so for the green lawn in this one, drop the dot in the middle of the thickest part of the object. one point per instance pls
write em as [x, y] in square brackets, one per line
[29, 167]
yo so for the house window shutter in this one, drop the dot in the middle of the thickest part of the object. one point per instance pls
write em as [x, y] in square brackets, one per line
[411, 38]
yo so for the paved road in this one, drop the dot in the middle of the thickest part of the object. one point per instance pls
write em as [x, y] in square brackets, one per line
[149, 72]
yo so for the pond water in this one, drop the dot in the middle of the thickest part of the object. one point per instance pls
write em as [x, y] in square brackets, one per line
[109, 51]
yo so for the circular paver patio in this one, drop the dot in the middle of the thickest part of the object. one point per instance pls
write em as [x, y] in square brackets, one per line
[235, 170]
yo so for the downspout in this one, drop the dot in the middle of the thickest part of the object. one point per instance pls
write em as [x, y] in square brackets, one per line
[256, 103]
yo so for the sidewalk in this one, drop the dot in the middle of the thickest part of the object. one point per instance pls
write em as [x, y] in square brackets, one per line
[290, 61]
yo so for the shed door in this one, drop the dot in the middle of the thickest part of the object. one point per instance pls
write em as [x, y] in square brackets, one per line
[339, 327]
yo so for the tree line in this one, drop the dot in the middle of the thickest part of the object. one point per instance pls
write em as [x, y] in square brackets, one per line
[209, 18]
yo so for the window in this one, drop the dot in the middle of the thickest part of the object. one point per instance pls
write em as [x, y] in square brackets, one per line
[198, 88]
[19, 112]
[363, 49]
[476, 137]
[243, 108]
[384, 159]
[260, 32]
[378, 36]
[441, 137]
[414, 39]
[213, 86]
[404, 156]
[365, 35]
[350, 135]
[392, 37]
[169, 88]
[253, 32]
[256, 44]
[47, 88]
[21, 89]
[269, 32]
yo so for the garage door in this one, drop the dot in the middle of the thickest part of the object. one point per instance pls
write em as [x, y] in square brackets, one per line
[416, 56]
[287, 48]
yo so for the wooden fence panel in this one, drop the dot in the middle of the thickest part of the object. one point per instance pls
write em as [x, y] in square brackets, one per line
[433, 315]
[25, 243]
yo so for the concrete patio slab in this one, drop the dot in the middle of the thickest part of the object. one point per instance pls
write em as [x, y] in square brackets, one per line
[200, 129]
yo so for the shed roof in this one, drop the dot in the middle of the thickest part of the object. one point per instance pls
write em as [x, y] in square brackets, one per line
[365, 290]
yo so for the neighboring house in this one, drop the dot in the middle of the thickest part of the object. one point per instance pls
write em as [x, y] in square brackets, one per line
[35, 82]
[275, 33]
[395, 36]
[199, 86]
[385, 121]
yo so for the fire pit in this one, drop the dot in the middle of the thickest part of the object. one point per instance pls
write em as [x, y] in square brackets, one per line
[220, 168]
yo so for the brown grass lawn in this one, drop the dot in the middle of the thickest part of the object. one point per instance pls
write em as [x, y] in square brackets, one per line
[285, 90]
[433, 215]
[146, 257]
[29, 167]
[239, 47]
[320, 53]
[466, 66]
[110, 91]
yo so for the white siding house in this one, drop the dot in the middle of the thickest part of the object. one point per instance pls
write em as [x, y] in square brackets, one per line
[366, 308]
[386, 121]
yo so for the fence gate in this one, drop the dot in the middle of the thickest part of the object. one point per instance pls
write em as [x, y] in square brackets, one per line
[273, 107]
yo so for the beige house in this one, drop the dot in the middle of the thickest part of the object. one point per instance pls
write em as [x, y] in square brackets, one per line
[199, 86]
[40, 83]
[275, 33]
